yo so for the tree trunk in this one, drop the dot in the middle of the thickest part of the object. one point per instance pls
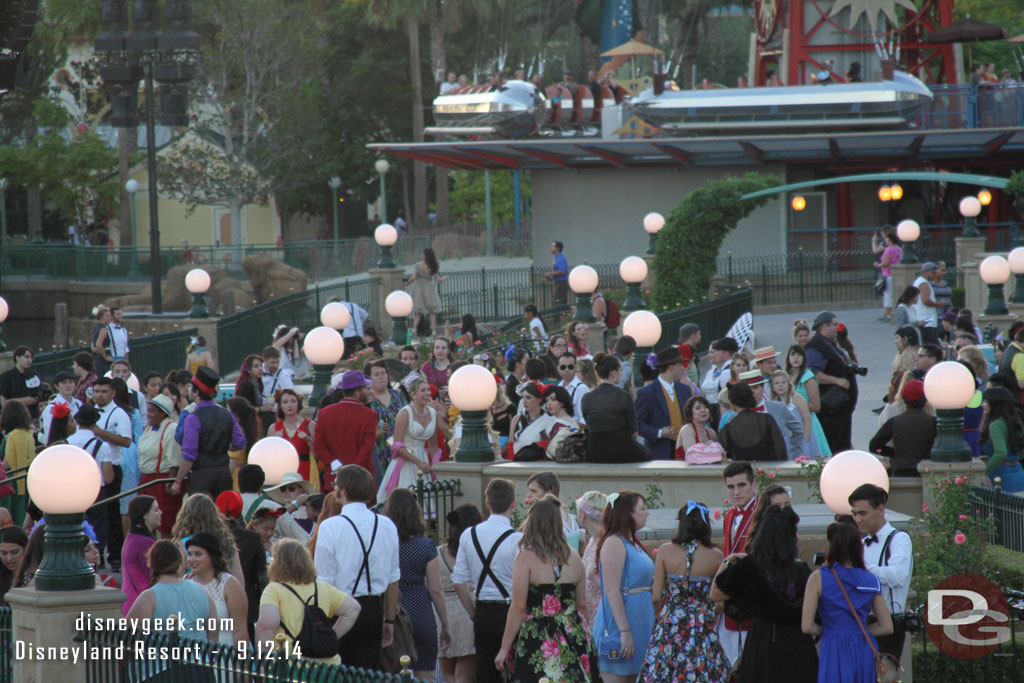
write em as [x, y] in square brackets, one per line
[438, 60]
[127, 145]
[419, 169]
[646, 22]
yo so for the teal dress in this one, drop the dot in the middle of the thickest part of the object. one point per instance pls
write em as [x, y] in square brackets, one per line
[817, 433]
[188, 601]
[637, 576]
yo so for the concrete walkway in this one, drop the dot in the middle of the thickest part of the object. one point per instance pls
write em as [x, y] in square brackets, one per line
[873, 343]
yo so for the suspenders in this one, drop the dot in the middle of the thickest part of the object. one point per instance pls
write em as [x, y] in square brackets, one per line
[366, 553]
[487, 571]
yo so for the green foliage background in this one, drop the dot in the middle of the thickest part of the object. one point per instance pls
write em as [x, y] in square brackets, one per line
[688, 245]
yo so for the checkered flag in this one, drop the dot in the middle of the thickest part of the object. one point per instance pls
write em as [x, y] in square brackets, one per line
[743, 331]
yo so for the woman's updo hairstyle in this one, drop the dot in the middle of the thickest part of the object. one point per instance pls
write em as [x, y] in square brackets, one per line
[605, 364]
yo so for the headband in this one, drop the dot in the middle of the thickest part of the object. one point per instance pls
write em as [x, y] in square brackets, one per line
[703, 509]
[612, 497]
[587, 510]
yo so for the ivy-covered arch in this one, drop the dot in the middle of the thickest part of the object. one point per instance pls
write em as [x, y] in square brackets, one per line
[686, 252]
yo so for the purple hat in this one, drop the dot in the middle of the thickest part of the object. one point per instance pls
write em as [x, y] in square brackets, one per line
[353, 379]
[948, 316]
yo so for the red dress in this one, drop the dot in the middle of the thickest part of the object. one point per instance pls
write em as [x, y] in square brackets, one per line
[301, 445]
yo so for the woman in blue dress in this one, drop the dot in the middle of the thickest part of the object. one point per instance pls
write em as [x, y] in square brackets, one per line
[806, 386]
[1002, 438]
[625, 617]
[847, 651]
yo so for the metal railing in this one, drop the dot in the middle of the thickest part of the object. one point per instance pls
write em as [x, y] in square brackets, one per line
[966, 106]
[249, 331]
[437, 499]
[319, 259]
[1008, 511]
[714, 316]
[6, 645]
[192, 661]
[158, 352]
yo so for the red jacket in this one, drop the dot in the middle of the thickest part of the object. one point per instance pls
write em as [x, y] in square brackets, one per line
[345, 431]
[738, 545]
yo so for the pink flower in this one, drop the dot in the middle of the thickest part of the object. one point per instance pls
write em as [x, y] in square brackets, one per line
[802, 458]
[477, 342]
[459, 342]
[550, 649]
[585, 663]
[963, 516]
[924, 507]
[551, 605]
[961, 480]
[959, 539]
[717, 513]
[771, 475]
[927, 469]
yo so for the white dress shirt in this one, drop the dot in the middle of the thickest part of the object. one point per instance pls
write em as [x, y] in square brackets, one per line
[713, 384]
[339, 557]
[105, 452]
[357, 321]
[114, 419]
[577, 390]
[895, 575]
[74, 404]
[669, 388]
[282, 379]
[469, 566]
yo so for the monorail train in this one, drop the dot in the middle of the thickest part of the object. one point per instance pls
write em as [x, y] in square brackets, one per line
[519, 110]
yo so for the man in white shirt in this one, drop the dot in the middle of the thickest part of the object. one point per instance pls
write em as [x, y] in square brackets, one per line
[720, 358]
[114, 427]
[357, 552]
[85, 438]
[571, 383]
[451, 84]
[65, 383]
[117, 335]
[888, 554]
[483, 575]
[353, 332]
[274, 379]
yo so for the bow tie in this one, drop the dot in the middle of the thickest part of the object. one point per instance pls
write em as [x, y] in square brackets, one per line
[718, 372]
[759, 409]
[870, 539]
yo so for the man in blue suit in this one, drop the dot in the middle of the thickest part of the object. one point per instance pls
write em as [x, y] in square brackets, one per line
[659, 405]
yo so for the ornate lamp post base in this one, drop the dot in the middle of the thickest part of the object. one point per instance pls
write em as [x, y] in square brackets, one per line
[583, 310]
[321, 383]
[199, 307]
[400, 331]
[386, 260]
[996, 300]
[475, 445]
[634, 300]
[950, 445]
[63, 567]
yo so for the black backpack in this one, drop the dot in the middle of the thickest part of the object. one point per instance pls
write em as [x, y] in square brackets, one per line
[316, 637]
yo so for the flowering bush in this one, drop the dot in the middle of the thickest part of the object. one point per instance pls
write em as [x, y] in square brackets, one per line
[950, 536]
[811, 469]
[764, 478]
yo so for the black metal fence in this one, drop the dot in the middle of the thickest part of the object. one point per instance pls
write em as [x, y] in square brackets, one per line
[159, 352]
[173, 659]
[1008, 511]
[714, 316]
[250, 330]
[437, 498]
[6, 645]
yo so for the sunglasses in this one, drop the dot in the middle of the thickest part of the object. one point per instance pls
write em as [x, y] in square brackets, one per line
[566, 367]
[290, 489]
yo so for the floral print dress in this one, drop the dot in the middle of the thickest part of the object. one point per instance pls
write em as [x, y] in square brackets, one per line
[386, 416]
[684, 645]
[553, 643]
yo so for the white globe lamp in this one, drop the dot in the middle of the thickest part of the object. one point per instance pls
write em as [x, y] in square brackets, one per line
[1016, 261]
[335, 315]
[633, 271]
[970, 207]
[994, 272]
[276, 457]
[583, 281]
[949, 387]
[398, 305]
[197, 282]
[385, 236]
[323, 347]
[473, 389]
[653, 223]
[846, 471]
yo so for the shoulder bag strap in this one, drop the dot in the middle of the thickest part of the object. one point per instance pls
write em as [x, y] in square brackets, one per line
[856, 616]
[304, 602]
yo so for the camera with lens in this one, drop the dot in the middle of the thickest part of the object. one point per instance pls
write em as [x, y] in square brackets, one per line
[857, 370]
[910, 621]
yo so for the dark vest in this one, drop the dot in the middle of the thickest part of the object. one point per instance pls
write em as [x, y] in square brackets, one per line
[835, 364]
[216, 426]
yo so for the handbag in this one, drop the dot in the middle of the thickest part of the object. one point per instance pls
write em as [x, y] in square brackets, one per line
[609, 645]
[401, 644]
[887, 669]
[880, 285]
[834, 400]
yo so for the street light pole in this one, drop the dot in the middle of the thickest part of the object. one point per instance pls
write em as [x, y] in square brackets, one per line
[335, 185]
[155, 276]
[132, 186]
[4, 258]
[382, 166]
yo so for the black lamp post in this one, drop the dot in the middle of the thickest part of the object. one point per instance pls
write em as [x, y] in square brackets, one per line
[128, 54]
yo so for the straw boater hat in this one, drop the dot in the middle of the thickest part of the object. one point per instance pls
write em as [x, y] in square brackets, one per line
[753, 378]
[289, 479]
[765, 353]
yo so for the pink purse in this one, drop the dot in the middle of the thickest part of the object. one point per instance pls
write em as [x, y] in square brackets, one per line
[705, 453]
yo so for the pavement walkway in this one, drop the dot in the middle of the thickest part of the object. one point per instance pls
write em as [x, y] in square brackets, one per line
[873, 343]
